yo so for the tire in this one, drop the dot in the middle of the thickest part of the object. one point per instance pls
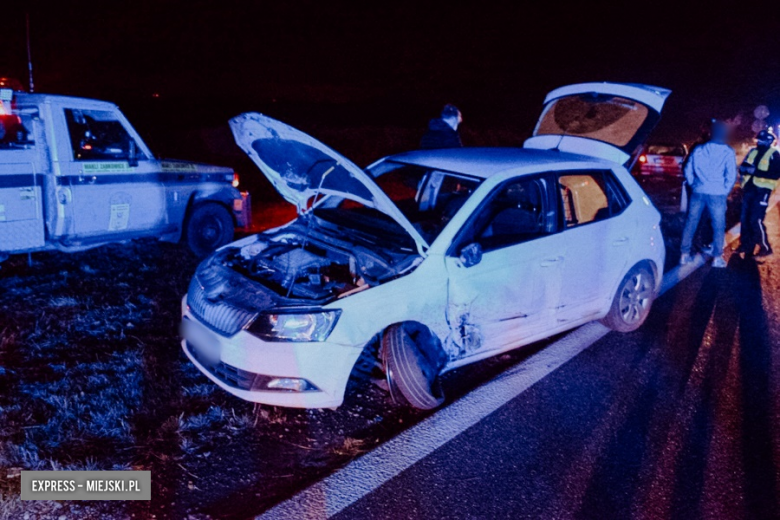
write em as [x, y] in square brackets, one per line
[209, 227]
[412, 376]
[632, 302]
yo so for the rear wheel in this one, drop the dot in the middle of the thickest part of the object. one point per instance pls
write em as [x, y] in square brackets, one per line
[411, 374]
[209, 227]
[632, 302]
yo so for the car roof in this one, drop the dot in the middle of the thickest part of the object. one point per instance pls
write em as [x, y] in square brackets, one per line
[486, 162]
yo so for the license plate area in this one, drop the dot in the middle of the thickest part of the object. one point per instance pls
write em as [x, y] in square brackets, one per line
[202, 341]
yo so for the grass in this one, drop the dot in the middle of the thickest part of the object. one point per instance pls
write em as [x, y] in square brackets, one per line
[92, 377]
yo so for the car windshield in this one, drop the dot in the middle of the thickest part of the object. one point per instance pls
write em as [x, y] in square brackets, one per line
[428, 198]
[610, 119]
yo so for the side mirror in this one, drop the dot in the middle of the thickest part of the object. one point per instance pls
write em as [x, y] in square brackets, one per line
[470, 255]
[132, 154]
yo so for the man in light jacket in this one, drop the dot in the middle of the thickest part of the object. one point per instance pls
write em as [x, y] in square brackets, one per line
[711, 172]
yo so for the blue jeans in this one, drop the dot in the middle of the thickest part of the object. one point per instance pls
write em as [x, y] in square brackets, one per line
[716, 207]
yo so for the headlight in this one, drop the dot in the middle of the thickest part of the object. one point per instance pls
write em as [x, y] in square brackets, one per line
[294, 326]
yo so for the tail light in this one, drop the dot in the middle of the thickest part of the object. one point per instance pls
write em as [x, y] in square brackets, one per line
[642, 159]
[235, 180]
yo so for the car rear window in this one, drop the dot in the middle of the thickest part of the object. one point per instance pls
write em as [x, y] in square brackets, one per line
[611, 119]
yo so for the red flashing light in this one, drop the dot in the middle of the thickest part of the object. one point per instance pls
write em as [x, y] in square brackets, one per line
[643, 159]
[11, 83]
[235, 180]
[86, 147]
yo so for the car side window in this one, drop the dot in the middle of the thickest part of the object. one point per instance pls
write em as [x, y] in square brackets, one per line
[588, 196]
[518, 211]
[98, 135]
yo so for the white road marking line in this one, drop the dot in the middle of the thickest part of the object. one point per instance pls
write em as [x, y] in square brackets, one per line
[680, 273]
[360, 477]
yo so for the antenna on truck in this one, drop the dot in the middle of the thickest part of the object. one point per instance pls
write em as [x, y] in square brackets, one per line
[29, 52]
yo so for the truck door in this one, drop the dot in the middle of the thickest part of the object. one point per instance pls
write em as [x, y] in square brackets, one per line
[21, 181]
[113, 188]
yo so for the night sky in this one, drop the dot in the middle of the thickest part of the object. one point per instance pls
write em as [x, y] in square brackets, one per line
[394, 63]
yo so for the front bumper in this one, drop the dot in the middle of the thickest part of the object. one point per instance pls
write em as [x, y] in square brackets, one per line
[243, 356]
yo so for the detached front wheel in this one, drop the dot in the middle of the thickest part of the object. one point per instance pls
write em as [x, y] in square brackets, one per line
[632, 302]
[209, 227]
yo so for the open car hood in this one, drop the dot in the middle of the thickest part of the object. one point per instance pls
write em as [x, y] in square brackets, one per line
[301, 167]
[604, 120]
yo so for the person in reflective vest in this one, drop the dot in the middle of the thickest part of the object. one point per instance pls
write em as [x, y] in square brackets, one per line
[760, 172]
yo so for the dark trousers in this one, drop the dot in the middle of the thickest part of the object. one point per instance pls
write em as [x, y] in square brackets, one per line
[754, 204]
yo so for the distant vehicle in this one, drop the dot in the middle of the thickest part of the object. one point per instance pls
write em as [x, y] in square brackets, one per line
[442, 257]
[74, 174]
[662, 159]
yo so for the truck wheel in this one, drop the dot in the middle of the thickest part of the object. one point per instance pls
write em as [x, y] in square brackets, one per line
[209, 227]
[632, 302]
[412, 376]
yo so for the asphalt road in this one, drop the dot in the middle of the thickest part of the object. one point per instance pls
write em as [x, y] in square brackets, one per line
[676, 420]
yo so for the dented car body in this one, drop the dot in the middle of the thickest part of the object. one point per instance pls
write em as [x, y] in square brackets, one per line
[446, 256]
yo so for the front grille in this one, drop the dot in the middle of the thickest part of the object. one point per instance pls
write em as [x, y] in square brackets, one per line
[222, 317]
[230, 375]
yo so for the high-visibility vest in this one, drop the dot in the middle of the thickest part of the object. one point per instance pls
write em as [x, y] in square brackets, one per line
[763, 166]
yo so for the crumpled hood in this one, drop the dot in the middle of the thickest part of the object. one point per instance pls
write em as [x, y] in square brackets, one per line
[300, 168]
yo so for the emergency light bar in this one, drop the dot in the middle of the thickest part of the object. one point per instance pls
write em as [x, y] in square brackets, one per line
[6, 96]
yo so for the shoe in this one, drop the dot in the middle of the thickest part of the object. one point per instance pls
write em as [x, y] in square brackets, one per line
[686, 259]
[719, 262]
[764, 252]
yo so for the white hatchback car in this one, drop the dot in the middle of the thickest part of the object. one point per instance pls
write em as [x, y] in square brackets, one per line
[442, 258]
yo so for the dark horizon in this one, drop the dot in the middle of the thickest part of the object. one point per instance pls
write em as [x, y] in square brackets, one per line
[391, 65]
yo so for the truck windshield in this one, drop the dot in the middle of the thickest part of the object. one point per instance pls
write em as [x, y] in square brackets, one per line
[98, 135]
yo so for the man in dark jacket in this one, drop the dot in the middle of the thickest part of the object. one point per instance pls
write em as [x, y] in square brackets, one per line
[760, 173]
[443, 131]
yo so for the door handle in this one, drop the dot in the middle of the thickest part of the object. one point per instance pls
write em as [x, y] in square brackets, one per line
[620, 241]
[547, 262]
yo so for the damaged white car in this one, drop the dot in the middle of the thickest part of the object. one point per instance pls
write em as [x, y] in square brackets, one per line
[440, 258]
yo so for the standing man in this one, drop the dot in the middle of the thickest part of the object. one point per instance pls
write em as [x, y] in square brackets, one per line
[760, 171]
[711, 172]
[443, 131]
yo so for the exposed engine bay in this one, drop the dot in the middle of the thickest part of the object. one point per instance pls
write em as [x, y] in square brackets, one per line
[299, 263]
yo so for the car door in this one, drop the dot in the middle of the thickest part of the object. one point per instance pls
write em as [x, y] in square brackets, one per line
[597, 241]
[114, 187]
[504, 270]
